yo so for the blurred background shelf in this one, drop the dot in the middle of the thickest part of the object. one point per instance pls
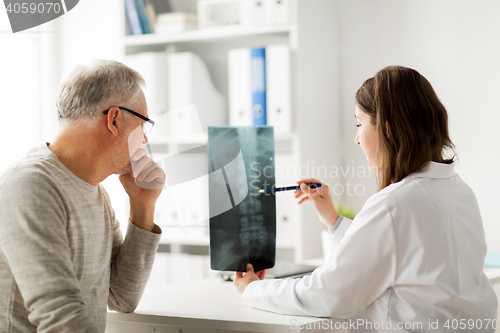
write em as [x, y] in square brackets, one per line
[219, 37]
[314, 122]
[309, 35]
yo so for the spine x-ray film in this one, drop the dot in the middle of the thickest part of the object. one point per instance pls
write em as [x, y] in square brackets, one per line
[242, 221]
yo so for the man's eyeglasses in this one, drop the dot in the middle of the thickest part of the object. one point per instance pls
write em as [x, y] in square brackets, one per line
[146, 127]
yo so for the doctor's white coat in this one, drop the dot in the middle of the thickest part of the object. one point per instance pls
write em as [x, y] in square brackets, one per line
[412, 257]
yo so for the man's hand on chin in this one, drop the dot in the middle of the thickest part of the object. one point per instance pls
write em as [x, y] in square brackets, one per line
[143, 187]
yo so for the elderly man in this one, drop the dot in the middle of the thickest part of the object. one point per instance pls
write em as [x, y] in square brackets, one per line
[62, 255]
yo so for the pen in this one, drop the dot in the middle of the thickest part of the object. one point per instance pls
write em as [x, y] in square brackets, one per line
[288, 188]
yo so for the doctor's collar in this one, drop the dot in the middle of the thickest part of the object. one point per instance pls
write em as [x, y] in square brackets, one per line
[435, 170]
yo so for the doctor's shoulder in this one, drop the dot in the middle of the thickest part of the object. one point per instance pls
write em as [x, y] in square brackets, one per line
[385, 195]
[422, 198]
[402, 199]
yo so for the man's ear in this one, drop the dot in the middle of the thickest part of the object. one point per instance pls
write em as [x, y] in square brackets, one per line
[112, 120]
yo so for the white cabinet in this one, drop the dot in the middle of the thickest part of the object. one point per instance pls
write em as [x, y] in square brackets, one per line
[311, 36]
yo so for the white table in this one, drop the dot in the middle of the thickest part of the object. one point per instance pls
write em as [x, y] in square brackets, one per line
[211, 306]
[203, 306]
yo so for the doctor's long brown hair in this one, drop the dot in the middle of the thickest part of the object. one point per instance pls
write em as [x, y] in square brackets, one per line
[412, 124]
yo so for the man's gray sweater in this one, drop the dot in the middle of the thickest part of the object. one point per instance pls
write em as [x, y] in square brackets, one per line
[62, 255]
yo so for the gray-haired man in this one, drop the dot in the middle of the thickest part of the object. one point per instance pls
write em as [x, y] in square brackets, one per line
[62, 255]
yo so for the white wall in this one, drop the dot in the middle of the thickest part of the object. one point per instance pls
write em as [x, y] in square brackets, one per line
[456, 45]
[94, 29]
[19, 92]
[316, 90]
[32, 64]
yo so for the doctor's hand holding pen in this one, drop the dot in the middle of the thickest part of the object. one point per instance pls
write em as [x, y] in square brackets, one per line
[321, 198]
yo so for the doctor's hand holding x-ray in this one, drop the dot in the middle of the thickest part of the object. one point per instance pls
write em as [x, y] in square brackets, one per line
[321, 197]
[322, 200]
[367, 139]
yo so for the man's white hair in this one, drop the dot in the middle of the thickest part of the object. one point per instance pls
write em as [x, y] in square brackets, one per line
[95, 87]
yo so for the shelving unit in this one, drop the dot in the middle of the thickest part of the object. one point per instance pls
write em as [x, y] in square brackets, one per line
[311, 35]
[138, 43]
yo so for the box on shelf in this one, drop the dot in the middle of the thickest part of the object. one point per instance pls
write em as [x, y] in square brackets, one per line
[174, 23]
[217, 13]
[180, 5]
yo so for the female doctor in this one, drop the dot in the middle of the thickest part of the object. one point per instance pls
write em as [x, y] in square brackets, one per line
[412, 259]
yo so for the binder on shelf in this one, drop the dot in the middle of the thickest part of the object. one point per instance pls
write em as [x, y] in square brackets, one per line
[128, 27]
[279, 113]
[240, 94]
[141, 12]
[258, 81]
[133, 17]
[150, 14]
[194, 102]
[191, 196]
[165, 210]
[153, 68]
[260, 93]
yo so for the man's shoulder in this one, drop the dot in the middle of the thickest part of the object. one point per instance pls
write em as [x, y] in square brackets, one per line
[36, 169]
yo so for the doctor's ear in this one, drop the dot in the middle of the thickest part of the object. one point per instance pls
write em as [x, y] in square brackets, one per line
[387, 130]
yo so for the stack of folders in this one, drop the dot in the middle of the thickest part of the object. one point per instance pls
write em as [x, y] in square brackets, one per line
[139, 17]
[259, 87]
[175, 23]
[287, 213]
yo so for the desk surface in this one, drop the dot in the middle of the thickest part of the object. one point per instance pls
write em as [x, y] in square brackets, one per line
[210, 306]
[207, 305]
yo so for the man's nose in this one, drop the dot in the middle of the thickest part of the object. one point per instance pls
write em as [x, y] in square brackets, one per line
[145, 139]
